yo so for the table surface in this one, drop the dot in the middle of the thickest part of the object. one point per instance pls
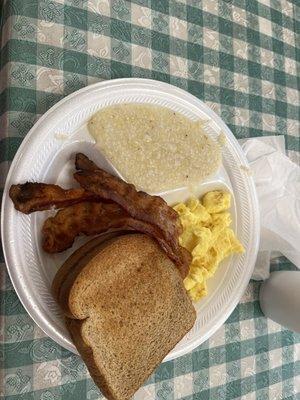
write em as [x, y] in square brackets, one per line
[240, 57]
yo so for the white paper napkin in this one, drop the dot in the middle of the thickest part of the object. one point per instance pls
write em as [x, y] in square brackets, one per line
[277, 181]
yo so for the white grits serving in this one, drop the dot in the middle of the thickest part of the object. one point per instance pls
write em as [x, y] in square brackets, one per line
[154, 147]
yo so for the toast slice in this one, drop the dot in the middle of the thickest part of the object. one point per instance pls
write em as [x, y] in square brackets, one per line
[126, 308]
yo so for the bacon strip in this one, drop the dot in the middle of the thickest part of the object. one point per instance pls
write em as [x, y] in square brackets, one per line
[32, 196]
[91, 218]
[140, 205]
[89, 210]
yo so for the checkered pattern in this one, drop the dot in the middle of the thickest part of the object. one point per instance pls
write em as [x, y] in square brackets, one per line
[241, 58]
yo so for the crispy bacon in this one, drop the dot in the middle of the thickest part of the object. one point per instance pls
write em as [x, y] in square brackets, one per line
[104, 202]
[32, 196]
[92, 218]
[140, 205]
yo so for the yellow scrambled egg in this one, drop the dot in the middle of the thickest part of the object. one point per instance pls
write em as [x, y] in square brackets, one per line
[207, 235]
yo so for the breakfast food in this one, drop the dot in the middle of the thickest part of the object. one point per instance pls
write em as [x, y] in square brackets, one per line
[216, 201]
[94, 218]
[140, 205]
[154, 147]
[123, 207]
[126, 295]
[125, 308]
[206, 234]
[33, 196]
[88, 218]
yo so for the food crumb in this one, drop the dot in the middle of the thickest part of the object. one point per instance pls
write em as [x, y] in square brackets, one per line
[61, 136]
[246, 169]
[222, 139]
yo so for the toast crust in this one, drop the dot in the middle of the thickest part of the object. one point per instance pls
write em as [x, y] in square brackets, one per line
[72, 267]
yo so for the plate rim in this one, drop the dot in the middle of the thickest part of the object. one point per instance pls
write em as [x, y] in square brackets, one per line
[38, 318]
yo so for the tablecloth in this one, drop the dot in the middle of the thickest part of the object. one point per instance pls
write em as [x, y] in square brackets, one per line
[241, 58]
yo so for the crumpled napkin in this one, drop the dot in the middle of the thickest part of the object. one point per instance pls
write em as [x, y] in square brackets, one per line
[277, 181]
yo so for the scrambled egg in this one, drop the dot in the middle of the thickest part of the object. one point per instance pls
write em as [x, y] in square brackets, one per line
[207, 235]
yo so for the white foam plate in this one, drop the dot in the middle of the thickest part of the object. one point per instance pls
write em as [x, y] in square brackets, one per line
[44, 156]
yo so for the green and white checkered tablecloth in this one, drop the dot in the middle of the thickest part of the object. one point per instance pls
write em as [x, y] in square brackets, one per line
[242, 58]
